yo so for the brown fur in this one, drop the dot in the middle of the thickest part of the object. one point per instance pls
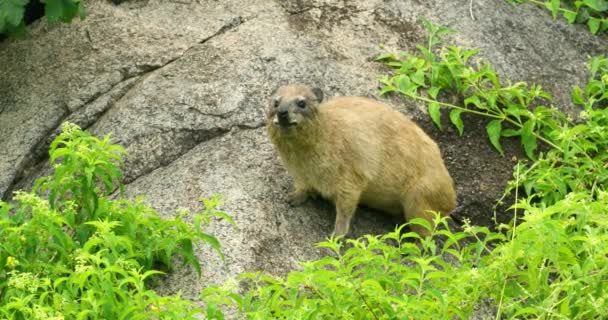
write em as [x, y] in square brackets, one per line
[353, 150]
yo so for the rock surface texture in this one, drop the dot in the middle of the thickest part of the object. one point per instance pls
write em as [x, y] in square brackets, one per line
[182, 85]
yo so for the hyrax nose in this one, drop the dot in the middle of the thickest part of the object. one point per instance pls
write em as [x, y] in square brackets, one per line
[283, 114]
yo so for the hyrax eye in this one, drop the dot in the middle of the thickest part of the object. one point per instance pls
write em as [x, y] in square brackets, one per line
[275, 102]
[301, 103]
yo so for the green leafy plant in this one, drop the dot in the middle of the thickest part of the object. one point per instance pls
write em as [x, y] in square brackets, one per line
[81, 255]
[437, 77]
[550, 266]
[372, 279]
[579, 163]
[550, 262]
[428, 74]
[12, 13]
[593, 13]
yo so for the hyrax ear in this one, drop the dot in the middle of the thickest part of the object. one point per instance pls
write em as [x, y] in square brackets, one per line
[318, 93]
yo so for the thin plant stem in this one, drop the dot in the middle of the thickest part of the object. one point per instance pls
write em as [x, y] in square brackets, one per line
[485, 114]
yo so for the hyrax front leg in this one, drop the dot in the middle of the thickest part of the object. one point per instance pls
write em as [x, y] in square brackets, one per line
[297, 197]
[346, 205]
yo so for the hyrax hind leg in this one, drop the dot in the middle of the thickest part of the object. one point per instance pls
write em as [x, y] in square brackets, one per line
[420, 199]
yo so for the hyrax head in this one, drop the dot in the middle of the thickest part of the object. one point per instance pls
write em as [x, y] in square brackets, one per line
[292, 105]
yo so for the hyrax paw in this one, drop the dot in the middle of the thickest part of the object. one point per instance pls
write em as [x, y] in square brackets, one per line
[340, 230]
[296, 198]
[336, 234]
[342, 236]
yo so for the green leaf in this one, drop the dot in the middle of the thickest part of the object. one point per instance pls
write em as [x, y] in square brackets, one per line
[583, 14]
[528, 185]
[62, 10]
[53, 10]
[387, 89]
[386, 57]
[594, 87]
[82, 13]
[187, 252]
[456, 120]
[597, 5]
[511, 132]
[570, 16]
[553, 6]
[426, 54]
[16, 32]
[225, 216]
[528, 139]
[11, 13]
[564, 309]
[212, 241]
[593, 24]
[517, 111]
[418, 78]
[475, 101]
[402, 82]
[444, 30]
[468, 54]
[435, 113]
[494, 129]
[421, 222]
[433, 92]
[577, 95]
[428, 25]
[58, 153]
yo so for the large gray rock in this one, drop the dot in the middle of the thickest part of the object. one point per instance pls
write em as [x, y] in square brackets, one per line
[183, 85]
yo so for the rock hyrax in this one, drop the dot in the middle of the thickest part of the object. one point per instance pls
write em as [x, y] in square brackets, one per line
[353, 150]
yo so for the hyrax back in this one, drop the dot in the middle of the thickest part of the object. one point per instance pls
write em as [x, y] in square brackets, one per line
[353, 150]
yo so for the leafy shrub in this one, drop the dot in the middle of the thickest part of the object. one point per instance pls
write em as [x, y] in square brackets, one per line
[575, 146]
[12, 13]
[81, 255]
[553, 264]
[450, 71]
[593, 13]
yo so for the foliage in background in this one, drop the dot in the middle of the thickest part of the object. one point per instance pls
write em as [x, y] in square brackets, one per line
[81, 255]
[553, 264]
[427, 74]
[514, 110]
[593, 13]
[12, 13]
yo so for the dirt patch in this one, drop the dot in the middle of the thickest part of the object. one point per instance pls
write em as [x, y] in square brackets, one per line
[409, 32]
[321, 16]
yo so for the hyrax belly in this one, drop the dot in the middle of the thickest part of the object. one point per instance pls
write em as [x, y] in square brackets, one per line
[387, 202]
[354, 150]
